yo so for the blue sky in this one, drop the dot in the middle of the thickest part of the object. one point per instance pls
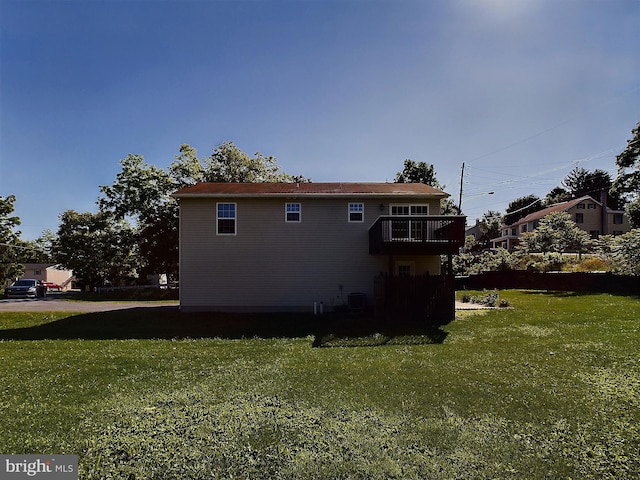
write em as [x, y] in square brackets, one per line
[521, 91]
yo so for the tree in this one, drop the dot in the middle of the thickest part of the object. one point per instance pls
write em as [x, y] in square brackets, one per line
[557, 232]
[228, 163]
[490, 226]
[9, 240]
[521, 207]
[580, 182]
[186, 169]
[138, 190]
[99, 248]
[418, 172]
[422, 172]
[627, 183]
[557, 195]
[142, 192]
[622, 252]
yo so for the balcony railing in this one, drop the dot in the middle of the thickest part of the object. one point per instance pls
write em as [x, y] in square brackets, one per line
[417, 235]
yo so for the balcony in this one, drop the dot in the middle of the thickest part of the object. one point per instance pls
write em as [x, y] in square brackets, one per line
[417, 235]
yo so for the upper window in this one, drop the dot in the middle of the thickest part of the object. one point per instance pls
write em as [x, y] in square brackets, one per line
[409, 210]
[356, 212]
[226, 219]
[581, 206]
[579, 217]
[591, 206]
[292, 212]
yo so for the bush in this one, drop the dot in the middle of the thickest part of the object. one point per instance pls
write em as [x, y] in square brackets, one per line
[592, 264]
[489, 299]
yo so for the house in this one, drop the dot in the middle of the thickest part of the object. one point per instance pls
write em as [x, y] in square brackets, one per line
[474, 231]
[46, 272]
[590, 215]
[295, 246]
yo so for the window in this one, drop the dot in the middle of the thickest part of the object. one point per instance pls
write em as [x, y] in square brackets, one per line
[579, 217]
[580, 206]
[292, 212]
[226, 219]
[514, 232]
[591, 206]
[523, 228]
[405, 269]
[594, 234]
[410, 230]
[356, 212]
[617, 218]
[419, 209]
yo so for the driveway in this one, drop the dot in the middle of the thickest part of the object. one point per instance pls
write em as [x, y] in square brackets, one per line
[54, 303]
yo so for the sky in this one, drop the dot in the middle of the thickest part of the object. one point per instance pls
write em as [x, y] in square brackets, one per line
[520, 91]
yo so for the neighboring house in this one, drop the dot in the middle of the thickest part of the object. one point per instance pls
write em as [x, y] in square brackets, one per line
[590, 215]
[46, 272]
[475, 231]
[287, 246]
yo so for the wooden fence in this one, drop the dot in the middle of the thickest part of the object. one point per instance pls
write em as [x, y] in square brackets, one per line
[426, 299]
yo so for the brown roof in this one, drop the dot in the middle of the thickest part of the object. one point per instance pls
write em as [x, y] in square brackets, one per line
[308, 189]
[558, 207]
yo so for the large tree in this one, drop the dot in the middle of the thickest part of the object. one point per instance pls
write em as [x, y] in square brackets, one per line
[627, 183]
[228, 163]
[9, 240]
[580, 182]
[142, 192]
[422, 172]
[98, 248]
[417, 172]
[138, 190]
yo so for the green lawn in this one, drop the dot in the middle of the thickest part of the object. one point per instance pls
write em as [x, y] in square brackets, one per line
[549, 389]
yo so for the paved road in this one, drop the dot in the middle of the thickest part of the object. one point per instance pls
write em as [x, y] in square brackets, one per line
[54, 303]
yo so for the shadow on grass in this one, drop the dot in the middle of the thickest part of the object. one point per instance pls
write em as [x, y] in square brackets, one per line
[329, 330]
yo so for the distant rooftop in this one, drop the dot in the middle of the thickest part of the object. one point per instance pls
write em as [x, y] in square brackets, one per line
[557, 207]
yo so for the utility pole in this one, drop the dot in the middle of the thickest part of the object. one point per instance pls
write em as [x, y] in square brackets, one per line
[460, 199]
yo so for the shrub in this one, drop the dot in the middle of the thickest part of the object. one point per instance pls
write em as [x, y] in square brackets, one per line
[592, 264]
[490, 299]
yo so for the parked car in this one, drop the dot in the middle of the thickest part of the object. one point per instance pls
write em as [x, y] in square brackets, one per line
[26, 287]
[52, 286]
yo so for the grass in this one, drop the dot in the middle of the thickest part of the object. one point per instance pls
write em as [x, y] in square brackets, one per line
[547, 389]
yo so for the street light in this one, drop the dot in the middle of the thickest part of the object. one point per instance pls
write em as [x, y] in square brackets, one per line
[471, 196]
